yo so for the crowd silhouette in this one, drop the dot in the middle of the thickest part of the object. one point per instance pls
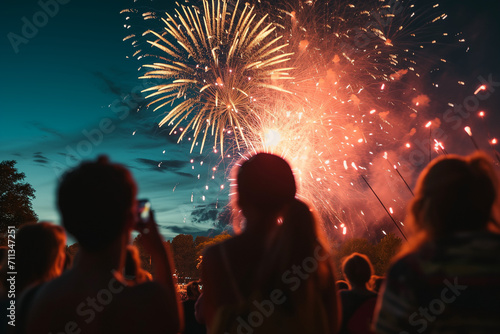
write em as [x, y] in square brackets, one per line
[276, 275]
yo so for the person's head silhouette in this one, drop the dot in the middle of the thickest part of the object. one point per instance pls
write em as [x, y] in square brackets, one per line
[97, 203]
[358, 270]
[455, 194]
[265, 185]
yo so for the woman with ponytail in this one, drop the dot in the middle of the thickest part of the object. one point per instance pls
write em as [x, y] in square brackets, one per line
[276, 276]
[448, 278]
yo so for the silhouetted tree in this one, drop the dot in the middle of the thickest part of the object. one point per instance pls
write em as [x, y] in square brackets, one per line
[200, 248]
[380, 254]
[200, 239]
[385, 250]
[143, 254]
[15, 197]
[184, 255]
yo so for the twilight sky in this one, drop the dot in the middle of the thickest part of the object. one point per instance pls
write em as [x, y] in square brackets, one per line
[69, 93]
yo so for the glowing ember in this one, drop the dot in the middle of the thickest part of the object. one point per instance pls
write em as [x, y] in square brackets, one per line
[480, 88]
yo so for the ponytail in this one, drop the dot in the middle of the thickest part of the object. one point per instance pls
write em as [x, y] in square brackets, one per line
[301, 228]
[297, 240]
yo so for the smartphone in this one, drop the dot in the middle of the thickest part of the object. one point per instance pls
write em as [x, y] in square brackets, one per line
[143, 210]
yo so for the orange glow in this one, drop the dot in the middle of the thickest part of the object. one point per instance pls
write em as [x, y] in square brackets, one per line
[467, 129]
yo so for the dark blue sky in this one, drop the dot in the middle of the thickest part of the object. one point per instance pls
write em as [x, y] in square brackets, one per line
[67, 96]
[67, 92]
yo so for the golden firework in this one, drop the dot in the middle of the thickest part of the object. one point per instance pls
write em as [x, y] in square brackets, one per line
[214, 64]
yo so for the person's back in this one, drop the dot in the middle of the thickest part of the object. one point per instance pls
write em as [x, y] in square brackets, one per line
[448, 281]
[358, 302]
[40, 256]
[274, 277]
[191, 325]
[243, 255]
[98, 206]
[301, 304]
[455, 283]
[82, 301]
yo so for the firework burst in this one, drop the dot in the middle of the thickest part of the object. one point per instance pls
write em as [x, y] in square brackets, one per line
[327, 86]
[214, 65]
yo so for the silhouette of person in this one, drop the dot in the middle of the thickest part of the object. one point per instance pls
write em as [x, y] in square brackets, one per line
[277, 274]
[39, 257]
[358, 302]
[191, 325]
[448, 278]
[40, 254]
[97, 202]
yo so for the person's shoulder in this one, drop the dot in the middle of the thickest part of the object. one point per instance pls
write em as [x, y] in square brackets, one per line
[405, 269]
[48, 296]
[344, 293]
[51, 291]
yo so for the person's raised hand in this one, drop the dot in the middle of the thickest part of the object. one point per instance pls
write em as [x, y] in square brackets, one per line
[150, 238]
